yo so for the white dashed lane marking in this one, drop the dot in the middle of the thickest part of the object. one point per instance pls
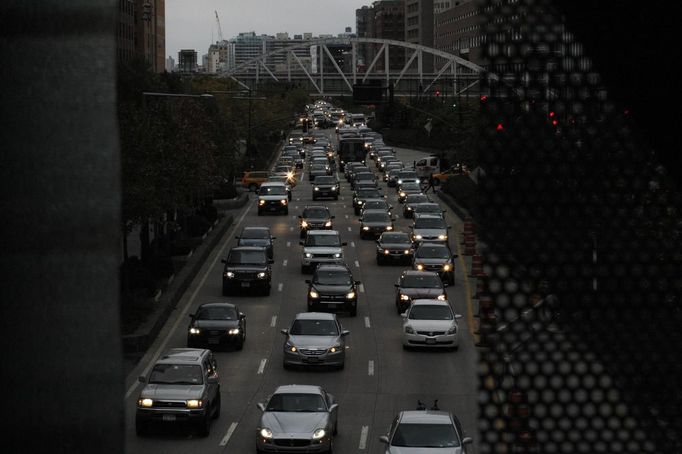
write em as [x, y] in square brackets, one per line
[363, 437]
[273, 322]
[357, 264]
[370, 368]
[261, 367]
[367, 323]
[280, 286]
[229, 433]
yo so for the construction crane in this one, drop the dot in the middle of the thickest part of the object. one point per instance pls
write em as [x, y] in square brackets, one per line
[220, 31]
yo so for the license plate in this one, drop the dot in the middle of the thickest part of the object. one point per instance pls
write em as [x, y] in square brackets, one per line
[213, 340]
[312, 360]
[273, 208]
[331, 306]
[430, 341]
[168, 417]
[246, 284]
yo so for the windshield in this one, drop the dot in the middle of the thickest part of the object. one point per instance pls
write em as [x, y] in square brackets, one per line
[333, 278]
[216, 313]
[325, 180]
[430, 312]
[376, 205]
[176, 374]
[408, 175]
[395, 238]
[429, 223]
[315, 213]
[421, 281]
[425, 436]
[255, 234]
[410, 186]
[247, 257]
[376, 217]
[364, 176]
[433, 252]
[314, 328]
[369, 194]
[323, 240]
[272, 190]
[417, 198]
[296, 402]
[427, 208]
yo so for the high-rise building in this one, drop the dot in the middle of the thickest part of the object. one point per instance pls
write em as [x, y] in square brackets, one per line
[419, 27]
[458, 31]
[141, 32]
[218, 54]
[247, 46]
[187, 61]
[364, 27]
[170, 64]
[440, 6]
[389, 23]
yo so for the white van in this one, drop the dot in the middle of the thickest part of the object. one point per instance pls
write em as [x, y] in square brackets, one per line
[426, 166]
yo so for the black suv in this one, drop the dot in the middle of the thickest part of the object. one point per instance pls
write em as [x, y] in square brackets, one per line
[257, 236]
[361, 195]
[435, 257]
[333, 287]
[246, 268]
[315, 217]
[326, 186]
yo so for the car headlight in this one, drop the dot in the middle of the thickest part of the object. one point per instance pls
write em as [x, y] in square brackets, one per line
[409, 330]
[265, 433]
[229, 274]
[420, 267]
[447, 267]
[360, 202]
[337, 255]
[407, 251]
[402, 194]
[283, 201]
[319, 433]
[233, 331]
[453, 329]
[404, 297]
[328, 224]
[442, 297]
[365, 228]
[316, 188]
[419, 237]
[290, 347]
[314, 294]
[304, 224]
[145, 402]
[335, 349]
[409, 208]
[389, 227]
[261, 275]
[308, 255]
[334, 188]
[194, 330]
[194, 403]
[386, 251]
[261, 202]
[400, 181]
[442, 237]
[350, 295]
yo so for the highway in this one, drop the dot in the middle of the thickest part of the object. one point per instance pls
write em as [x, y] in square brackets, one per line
[379, 379]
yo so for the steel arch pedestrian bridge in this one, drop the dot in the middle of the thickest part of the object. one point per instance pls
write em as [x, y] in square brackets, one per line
[455, 75]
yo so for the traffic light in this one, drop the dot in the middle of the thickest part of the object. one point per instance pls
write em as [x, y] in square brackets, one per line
[437, 93]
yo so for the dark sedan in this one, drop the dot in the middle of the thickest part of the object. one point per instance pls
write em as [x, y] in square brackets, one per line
[216, 324]
[247, 267]
[332, 287]
[256, 236]
[361, 195]
[394, 247]
[326, 186]
[408, 188]
[411, 200]
[375, 222]
[435, 257]
[418, 285]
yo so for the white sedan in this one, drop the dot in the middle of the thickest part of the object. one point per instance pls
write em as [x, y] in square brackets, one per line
[430, 323]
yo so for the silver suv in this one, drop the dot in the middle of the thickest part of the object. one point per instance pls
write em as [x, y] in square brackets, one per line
[182, 387]
[321, 246]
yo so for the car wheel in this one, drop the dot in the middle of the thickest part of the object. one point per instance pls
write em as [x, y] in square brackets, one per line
[353, 311]
[216, 411]
[266, 290]
[331, 445]
[141, 428]
[240, 344]
[451, 281]
[305, 269]
[226, 290]
[286, 211]
[314, 198]
[260, 213]
[380, 260]
[302, 234]
[336, 428]
[204, 426]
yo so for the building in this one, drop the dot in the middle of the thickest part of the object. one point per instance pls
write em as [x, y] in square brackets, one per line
[458, 31]
[141, 32]
[440, 6]
[218, 57]
[170, 64]
[389, 23]
[364, 27]
[247, 46]
[187, 61]
[419, 27]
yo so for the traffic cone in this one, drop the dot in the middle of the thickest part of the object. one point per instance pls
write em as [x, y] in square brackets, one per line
[469, 227]
[518, 422]
[486, 305]
[470, 245]
[477, 266]
[481, 286]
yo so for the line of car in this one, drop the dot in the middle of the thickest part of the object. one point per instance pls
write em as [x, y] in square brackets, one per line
[184, 383]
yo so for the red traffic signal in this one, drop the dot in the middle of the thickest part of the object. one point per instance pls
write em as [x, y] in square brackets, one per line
[437, 92]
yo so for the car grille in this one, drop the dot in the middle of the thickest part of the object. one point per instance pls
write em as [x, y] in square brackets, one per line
[431, 333]
[308, 352]
[216, 332]
[291, 442]
[323, 256]
[332, 297]
[246, 275]
[169, 404]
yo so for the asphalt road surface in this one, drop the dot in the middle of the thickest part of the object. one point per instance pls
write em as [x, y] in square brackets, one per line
[379, 379]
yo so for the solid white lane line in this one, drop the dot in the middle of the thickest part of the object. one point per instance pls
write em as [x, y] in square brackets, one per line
[183, 315]
[229, 433]
[352, 244]
[367, 323]
[284, 262]
[273, 322]
[370, 368]
[361, 288]
[261, 367]
[363, 437]
[280, 286]
[357, 264]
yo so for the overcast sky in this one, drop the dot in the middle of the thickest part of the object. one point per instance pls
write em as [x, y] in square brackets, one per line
[191, 23]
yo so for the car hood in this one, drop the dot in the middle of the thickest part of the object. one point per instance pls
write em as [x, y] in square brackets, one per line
[254, 268]
[332, 289]
[426, 293]
[430, 232]
[172, 392]
[322, 250]
[320, 342]
[254, 242]
[291, 423]
[431, 261]
[315, 220]
[402, 450]
[430, 325]
[376, 223]
[395, 245]
[272, 197]
[216, 324]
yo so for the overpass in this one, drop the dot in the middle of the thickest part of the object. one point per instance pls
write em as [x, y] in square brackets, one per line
[452, 75]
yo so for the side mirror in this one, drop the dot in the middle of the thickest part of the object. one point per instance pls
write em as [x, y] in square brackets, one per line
[345, 332]
[271, 261]
[299, 216]
[142, 379]
[454, 256]
[396, 285]
[301, 243]
[344, 244]
[261, 406]
[333, 407]
[333, 217]
[237, 238]
[404, 315]
[467, 440]
[223, 261]
[358, 282]
[273, 237]
[307, 281]
[458, 316]
[384, 439]
[242, 315]
[212, 380]
[284, 331]
[449, 227]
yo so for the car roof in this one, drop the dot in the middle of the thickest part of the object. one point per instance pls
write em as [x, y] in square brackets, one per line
[183, 356]
[332, 267]
[298, 389]
[429, 302]
[265, 229]
[324, 207]
[323, 232]
[272, 183]
[427, 216]
[375, 211]
[248, 248]
[418, 273]
[315, 316]
[217, 304]
[425, 417]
